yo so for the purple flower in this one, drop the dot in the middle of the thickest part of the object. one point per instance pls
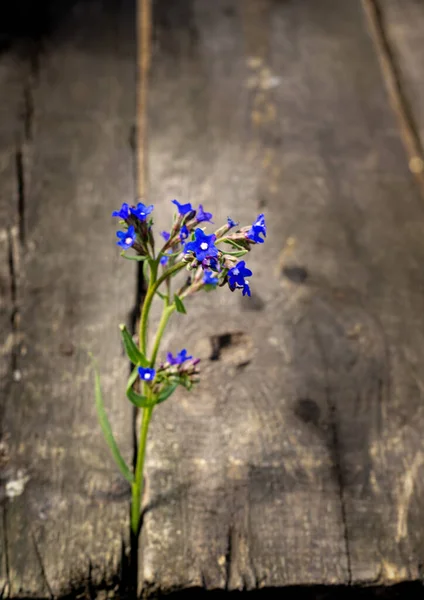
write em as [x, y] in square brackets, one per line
[126, 238]
[236, 277]
[258, 228]
[183, 209]
[179, 358]
[141, 211]
[203, 245]
[184, 233]
[146, 374]
[209, 278]
[165, 235]
[231, 223]
[123, 212]
[203, 216]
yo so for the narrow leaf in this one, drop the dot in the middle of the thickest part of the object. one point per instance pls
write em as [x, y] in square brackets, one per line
[179, 305]
[106, 428]
[164, 395]
[161, 296]
[235, 245]
[133, 353]
[130, 257]
[136, 399]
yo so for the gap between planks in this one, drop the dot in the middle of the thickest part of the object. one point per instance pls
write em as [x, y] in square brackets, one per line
[393, 82]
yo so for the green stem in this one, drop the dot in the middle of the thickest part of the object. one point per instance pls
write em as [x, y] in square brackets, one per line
[167, 312]
[137, 486]
[153, 286]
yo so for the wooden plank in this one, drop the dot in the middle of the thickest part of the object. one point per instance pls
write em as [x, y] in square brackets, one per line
[67, 525]
[298, 460]
[13, 71]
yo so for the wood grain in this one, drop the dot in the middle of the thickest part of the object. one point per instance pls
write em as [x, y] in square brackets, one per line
[67, 525]
[298, 460]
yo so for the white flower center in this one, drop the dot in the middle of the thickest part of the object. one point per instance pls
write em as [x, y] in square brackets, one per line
[128, 240]
[204, 246]
[235, 271]
[147, 376]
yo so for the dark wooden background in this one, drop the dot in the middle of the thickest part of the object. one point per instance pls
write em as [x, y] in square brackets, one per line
[299, 460]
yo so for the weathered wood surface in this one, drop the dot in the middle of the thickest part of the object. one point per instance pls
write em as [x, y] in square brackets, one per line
[64, 507]
[403, 23]
[300, 459]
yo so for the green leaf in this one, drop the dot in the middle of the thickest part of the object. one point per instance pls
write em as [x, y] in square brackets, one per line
[133, 353]
[136, 399]
[137, 258]
[162, 296]
[164, 395]
[235, 245]
[179, 305]
[106, 428]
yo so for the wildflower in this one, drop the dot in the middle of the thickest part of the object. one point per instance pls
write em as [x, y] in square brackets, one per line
[203, 216]
[209, 278]
[183, 209]
[141, 211]
[123, 212]
[164, 259]
[126, 238]
[246, 289]
[236, 277]
[179, 358]
[146, 374]
[258, 227]
[165, 235]
[184, 233]
[231, 223]
[203, 246]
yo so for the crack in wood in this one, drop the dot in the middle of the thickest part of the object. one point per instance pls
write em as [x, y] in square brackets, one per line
[393, 81]
[42, 569]
[6, 587]
[20, 177]
[335, 451]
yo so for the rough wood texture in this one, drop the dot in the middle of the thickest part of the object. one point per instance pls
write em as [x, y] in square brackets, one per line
[299, 460]
[67, 522]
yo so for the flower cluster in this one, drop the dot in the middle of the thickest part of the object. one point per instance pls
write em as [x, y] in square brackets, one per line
[211, 260]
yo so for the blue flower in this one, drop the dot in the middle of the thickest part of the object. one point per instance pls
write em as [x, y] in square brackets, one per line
[209, 279]
[246, 289]
[183, 209]
[236, 277]
[258, 228]
[184, 233]
[203, 216]
[231, 223]
[126, 238]
[164, 259]
[165, 235]
[123, 212]
[179, 358]
[141, 211]
[146, 374]
[203, 245]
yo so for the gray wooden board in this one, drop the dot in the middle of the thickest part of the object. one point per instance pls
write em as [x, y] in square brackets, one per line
[403, 23]
[12, 81]
[298, 460]
[67, 521]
